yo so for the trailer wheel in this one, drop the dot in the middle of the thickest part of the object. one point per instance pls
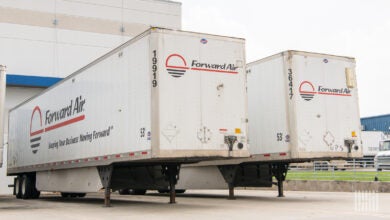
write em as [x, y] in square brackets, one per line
[180, 191]
[34, 191]
[27, 187]
[17, 184]
[35, 194]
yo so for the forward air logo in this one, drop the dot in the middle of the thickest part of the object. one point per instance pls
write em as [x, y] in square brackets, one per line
[64, 116]
[307, 91]
[177, 66]
[36, 129]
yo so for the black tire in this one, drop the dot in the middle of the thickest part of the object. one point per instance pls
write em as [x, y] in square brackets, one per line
[27, 186]
[36, 194]
[379, 169]
[17, 185]
[124, 192]
[138, 191]
[180, 191]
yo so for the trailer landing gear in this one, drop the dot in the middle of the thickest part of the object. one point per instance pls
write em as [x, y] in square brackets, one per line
[229, 174]
[171, 173]
[105, 173]
[279, 170]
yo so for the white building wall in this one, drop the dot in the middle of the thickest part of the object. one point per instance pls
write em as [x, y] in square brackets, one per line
[57, 37]
[54, 38]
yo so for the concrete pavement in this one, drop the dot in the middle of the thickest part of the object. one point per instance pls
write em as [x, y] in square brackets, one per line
[202, 204]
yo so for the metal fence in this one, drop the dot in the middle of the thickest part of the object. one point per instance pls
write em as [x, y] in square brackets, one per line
[354, 170]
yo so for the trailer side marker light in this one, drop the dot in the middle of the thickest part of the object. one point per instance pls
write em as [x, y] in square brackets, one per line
[354, 134]
[237, 131]
[267, 155]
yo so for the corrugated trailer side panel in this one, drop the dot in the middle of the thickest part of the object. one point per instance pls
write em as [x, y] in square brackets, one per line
[267, 107]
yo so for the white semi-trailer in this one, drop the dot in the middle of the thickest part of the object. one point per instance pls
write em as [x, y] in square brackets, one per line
[2, 100]
[302, 107]
[130, 118]
[371, 141]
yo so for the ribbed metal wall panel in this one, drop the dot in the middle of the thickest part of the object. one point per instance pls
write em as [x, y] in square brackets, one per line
[376, 123]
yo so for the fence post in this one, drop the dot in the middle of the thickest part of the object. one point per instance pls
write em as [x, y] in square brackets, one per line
[354, 169]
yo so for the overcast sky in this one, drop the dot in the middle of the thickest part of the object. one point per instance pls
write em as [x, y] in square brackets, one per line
[359, 29]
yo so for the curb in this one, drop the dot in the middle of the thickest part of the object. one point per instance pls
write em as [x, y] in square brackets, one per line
[333, 186]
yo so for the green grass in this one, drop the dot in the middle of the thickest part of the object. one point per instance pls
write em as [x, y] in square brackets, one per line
[338, 175]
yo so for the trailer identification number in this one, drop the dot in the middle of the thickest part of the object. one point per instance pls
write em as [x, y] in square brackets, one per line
[154, 69]
[279, 136]
[290, 83]
[142, 132]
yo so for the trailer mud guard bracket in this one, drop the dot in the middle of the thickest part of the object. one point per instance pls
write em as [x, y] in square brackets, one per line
[279, 170]
[105, 173]
[171, 173]
[229, 173]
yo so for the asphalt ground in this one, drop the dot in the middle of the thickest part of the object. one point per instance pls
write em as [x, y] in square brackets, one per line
[203, 204]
